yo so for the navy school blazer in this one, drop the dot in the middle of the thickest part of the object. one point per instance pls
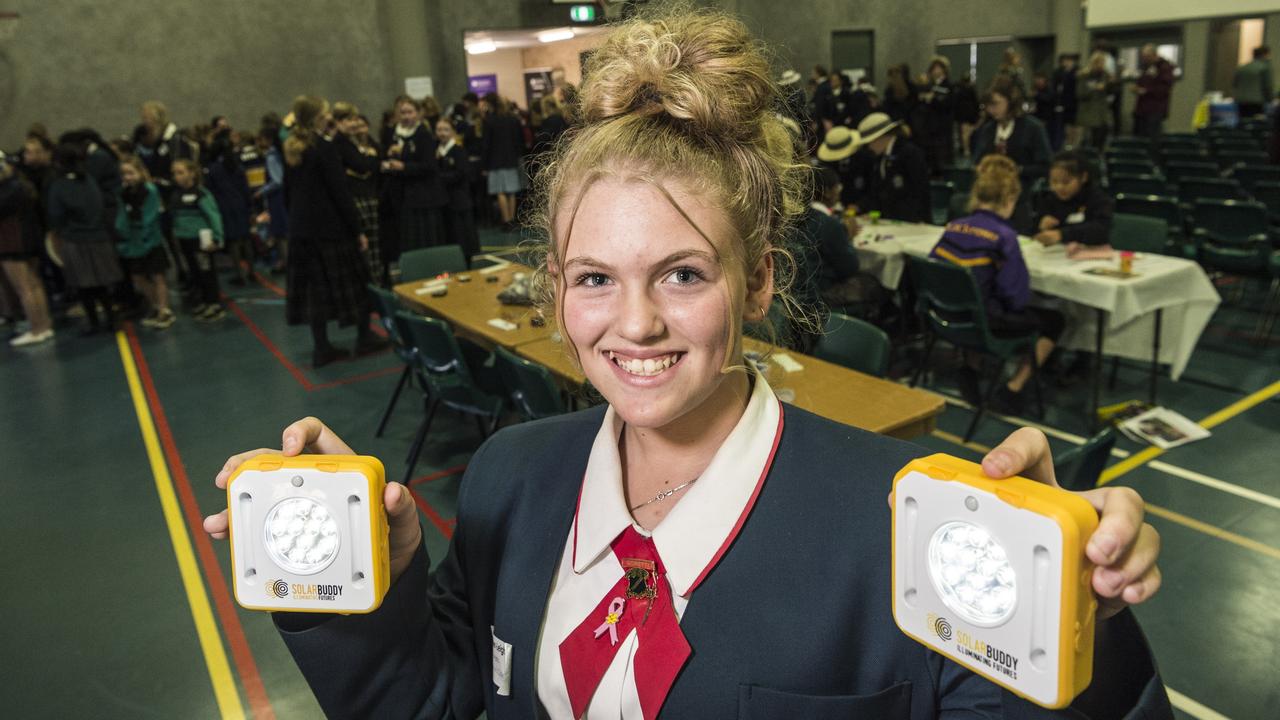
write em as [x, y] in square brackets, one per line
[794, 622]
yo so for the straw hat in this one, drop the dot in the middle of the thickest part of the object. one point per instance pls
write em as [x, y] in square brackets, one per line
[875, 125]
[840, 143]
[789, 77]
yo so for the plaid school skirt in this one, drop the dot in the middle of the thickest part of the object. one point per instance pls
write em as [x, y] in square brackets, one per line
[327, 280]
[367, 207]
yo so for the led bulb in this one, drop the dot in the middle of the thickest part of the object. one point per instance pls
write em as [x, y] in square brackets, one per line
[301, 536]
[971, 573]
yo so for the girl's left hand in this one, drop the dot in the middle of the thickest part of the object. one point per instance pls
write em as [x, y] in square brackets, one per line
[1049, 237]
[1124, 548]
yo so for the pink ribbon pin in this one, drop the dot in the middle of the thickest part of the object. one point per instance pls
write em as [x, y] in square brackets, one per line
[611, 620]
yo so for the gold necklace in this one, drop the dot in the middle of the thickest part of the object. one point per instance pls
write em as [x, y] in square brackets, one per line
[664, 494]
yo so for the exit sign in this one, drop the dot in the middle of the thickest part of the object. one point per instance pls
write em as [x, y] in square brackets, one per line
[582, 13]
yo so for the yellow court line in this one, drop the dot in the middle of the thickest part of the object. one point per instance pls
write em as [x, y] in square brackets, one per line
[215, 656]
[1210, 422]
[1171, 516]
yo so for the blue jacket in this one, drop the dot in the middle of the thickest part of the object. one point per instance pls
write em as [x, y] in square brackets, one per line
[795, 620]
[984, 243]
[138, 222]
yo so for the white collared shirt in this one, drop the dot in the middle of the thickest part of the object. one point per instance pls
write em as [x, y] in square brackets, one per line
[689, 540]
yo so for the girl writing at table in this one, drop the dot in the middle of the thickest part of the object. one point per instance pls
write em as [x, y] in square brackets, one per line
[740, 545]
[987, 245]
[1075, 212]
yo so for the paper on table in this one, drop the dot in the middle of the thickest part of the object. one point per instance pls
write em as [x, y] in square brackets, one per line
[788, 363]
[431, 287]
[503, 324]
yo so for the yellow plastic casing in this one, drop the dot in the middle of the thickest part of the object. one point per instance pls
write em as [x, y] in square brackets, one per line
[368, 466]
[1077, 520]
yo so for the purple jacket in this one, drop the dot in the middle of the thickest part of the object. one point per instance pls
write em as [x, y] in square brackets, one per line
[1156, 80]
[986, 244]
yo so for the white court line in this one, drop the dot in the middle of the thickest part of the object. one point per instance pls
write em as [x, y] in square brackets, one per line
[1193, 708]
[1164, 467]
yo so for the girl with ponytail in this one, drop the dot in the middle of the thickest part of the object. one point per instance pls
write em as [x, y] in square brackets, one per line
[694, 548]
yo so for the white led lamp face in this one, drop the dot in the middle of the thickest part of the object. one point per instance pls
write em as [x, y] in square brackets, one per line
[992, 574]
[309, 533]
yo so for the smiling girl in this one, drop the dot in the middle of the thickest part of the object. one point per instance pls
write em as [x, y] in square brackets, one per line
[694, 548]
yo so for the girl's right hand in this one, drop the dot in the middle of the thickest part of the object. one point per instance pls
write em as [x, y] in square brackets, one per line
[312, 436]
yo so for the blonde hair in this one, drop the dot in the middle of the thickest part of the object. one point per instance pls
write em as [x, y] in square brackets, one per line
[687, 96]
[190, 166]
[157, 110]
[996, 182]
[306, 110]
[343, 110]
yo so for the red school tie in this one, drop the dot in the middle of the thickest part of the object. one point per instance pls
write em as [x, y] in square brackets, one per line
[640, 600]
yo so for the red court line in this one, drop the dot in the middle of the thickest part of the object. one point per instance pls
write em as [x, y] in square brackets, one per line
[254, 690]
[294, 370]
[444, 526]
[359, 378]
[447, 472]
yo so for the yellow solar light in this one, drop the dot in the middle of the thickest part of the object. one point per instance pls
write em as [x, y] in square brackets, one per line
[993, 575]
[309, 533]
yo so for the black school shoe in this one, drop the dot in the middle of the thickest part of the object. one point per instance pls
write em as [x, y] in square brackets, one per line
[322, 356]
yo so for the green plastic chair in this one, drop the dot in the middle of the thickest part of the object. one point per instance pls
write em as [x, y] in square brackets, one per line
[940, 192]
[1147, 184]
[1154, 206]
[954, 311]
[1139, 233]
[443, 373]
[530, 386]
[1267, 192]
[1176, 172]
[1130, 141]
[855, 344]
[1192, 189]
[1228, 158]
[387, 305]
[1128, 154]
[1183, 153]
[1232, 236]
[1250, 174]
[1130, 167]
[1080, 467]
[429, 262]
[958, 207]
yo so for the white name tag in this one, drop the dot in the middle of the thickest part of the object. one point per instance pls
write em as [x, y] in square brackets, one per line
[1075, 218]
[190, 198]
[501, 664]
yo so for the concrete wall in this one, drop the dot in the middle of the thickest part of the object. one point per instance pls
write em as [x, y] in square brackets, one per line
[87, 62]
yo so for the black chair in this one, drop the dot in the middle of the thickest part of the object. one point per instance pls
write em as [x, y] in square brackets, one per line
[1162, 207]
[1138, 185]
[1231, 158]
[1192, 189]
[1139, 233]
[1267, 192]
[442, 370]
[960, 177]
[1131, 167]
[1080, 467]
[387, 305]
[953, 310]
[1183, 153]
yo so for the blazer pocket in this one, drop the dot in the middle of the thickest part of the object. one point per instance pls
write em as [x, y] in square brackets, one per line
[762, 703]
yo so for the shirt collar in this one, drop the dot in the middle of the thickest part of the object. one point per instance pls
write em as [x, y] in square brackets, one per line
[821, 207]
[444, 149]
[403, 132]
[701, 526]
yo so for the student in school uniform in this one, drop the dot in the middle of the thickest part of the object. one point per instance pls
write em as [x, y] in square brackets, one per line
[197, 228]
[892, 175]
[745, 558]
[141, 242]
[987, 244]
[455, 176]
[1075, 211]
[80, 235]
[411, 200]
[360, 164]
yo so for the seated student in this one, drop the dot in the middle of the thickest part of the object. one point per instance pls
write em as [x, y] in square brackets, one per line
[892, 175]
[1076, 210]
[985, 243]
[837, 153]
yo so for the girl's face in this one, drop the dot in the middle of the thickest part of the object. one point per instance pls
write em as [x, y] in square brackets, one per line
[444, 132]
[1064, 184]
[182, 176]
[35, 155]
[998, 107]
[349, 126]
[130, 175]
[653, 314]
[407, 114]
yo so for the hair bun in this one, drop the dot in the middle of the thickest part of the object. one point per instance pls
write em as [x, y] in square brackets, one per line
[698, 67]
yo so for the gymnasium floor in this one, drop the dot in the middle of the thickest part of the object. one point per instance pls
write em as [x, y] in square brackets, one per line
[117, 605]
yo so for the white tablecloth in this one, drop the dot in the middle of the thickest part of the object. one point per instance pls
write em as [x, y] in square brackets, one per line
[1177, 286]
